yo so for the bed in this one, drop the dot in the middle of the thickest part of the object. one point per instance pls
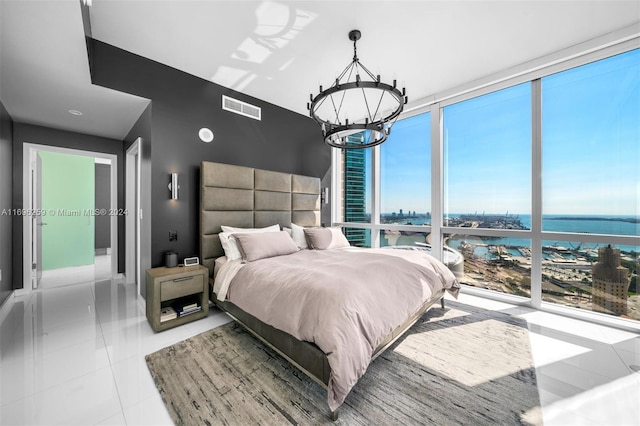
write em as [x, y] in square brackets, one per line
[330, 340]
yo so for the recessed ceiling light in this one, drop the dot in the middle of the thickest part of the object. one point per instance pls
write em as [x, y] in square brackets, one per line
[75, 112]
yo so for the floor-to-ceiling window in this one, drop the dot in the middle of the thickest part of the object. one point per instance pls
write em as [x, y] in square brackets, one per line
[591, 186]
[487, 186]
[538, 186]
[405, 182]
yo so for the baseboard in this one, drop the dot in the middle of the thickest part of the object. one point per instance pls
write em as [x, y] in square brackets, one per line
[141, 302]
[6, 306]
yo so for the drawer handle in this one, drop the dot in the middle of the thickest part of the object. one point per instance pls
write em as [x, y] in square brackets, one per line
[182, 279]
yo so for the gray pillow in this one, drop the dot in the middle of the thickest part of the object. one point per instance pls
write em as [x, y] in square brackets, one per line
[325, 238]
[265, 244]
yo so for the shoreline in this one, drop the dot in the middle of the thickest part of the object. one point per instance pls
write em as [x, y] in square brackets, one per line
[594, 218]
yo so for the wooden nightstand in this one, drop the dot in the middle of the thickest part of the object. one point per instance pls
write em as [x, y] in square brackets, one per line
[184, 289]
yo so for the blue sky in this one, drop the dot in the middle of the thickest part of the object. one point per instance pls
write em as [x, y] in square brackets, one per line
[591, 147]
[405, 166]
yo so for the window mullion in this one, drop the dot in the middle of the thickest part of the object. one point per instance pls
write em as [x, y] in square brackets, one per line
[536, 193]
[336, 186]
[375, 196]
[437, 179]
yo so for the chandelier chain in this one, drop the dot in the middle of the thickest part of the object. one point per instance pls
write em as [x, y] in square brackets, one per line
[355, 48]
[373, 77]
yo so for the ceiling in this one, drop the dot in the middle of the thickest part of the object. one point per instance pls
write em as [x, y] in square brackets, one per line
[44, 72]
[278, 51]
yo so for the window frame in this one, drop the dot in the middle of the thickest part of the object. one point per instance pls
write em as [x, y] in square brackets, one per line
[604, 47]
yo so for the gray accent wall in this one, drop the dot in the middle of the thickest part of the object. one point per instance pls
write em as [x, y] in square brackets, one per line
[6, 176]
[181, 104]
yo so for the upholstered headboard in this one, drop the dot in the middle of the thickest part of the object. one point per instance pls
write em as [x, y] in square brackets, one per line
[251, 198]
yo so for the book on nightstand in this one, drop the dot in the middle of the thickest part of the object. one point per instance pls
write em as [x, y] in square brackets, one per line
[167, 313]
[190, 307]
[184, 311]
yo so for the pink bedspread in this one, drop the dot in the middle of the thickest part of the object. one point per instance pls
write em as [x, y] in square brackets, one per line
[345, 301]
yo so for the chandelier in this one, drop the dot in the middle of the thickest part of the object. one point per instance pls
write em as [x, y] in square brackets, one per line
[358, 110]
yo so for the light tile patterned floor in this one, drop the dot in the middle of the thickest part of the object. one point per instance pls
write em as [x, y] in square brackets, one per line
[75, 355]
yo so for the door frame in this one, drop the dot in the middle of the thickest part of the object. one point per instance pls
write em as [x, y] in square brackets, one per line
[27, 152]
[36, 243]
[133, 163]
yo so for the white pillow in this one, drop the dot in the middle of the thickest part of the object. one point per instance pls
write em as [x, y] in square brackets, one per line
[297, 233]
[230, 246]
[272, 228]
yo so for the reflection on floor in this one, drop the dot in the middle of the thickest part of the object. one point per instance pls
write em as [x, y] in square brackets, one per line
[75, 355]
[100, 270]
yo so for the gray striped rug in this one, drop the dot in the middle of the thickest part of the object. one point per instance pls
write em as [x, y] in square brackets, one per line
[460, 366]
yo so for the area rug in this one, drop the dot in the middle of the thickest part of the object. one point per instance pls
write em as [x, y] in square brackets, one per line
[457, 366]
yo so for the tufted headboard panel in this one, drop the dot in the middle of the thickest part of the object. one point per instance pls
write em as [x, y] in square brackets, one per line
[251, 198]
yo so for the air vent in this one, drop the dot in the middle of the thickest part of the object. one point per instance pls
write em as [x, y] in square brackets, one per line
[242, 108]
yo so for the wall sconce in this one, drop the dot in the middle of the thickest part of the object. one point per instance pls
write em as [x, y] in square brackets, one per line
[173, 186]
[324, 195]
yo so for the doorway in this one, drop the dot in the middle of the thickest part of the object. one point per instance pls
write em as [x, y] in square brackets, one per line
[67, 215]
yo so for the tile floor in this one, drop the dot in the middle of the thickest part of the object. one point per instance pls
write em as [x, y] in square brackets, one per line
[74, 355]
[100, 270]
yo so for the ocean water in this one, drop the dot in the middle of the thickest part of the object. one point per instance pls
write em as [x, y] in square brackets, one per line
[587, 224]
[591, 224]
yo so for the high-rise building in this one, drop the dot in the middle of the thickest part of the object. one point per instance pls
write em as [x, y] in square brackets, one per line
[610, 282]
[355, 203]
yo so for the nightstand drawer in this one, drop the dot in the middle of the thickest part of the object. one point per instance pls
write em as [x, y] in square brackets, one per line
[180, 287]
